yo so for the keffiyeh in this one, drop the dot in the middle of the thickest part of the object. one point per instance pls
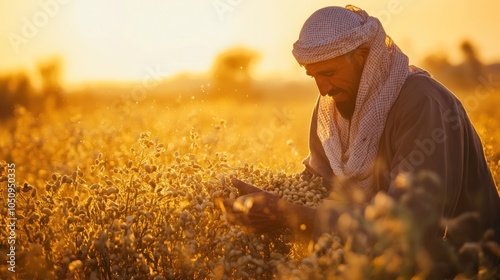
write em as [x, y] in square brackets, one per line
[351, 145]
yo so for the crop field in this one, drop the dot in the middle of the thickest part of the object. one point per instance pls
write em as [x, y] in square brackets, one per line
[113, 190]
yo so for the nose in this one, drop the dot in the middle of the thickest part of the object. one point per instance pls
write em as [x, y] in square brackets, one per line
[324, 86]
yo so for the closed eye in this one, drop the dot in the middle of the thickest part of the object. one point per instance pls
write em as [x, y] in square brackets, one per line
[327, 73]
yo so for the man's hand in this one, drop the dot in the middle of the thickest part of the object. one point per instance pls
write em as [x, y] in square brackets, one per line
[260, 211]
[256, 210]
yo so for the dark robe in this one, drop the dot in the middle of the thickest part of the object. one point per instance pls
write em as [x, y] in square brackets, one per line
[427, 129]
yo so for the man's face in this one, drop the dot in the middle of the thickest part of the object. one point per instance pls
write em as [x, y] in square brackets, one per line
[339, 78]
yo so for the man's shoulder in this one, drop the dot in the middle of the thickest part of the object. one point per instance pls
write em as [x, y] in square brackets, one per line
[421, 90]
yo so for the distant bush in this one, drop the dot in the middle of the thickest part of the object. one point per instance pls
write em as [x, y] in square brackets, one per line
[16, 90]
[232, 72]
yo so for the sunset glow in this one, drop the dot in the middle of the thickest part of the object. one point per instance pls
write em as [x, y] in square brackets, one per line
[117, 40]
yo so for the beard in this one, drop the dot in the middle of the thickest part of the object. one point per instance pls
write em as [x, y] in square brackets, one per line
[346, 109]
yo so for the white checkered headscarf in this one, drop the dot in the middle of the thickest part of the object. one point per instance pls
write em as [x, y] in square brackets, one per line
[351, 145]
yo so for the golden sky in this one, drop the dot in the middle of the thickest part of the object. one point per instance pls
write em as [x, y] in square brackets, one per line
[127, 39]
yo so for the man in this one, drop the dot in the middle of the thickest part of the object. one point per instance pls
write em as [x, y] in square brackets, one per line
[377, 118]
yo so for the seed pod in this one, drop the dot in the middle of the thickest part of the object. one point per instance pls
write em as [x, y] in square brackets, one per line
[217, 193]
[34, 217]
[307, 263]
[370, 213]
[26, 187]
[75, 265]
[47, 211]
[259, 271]
[276, 256]
[89, 200]
[257, 262]
[80, 229]
[148, 238]
[112, 190]
[152, 183]
[309, 195]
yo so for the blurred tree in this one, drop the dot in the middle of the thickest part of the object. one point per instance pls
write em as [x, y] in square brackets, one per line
[15, 90]
[7, 102]
[232, 71]
[50, 71]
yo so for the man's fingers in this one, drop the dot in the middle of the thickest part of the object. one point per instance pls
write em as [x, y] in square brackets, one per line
[228, 203]
[237, 211]
[243, 187]
[233, 216]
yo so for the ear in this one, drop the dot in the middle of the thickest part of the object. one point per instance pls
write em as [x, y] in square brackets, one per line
[360, 54]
